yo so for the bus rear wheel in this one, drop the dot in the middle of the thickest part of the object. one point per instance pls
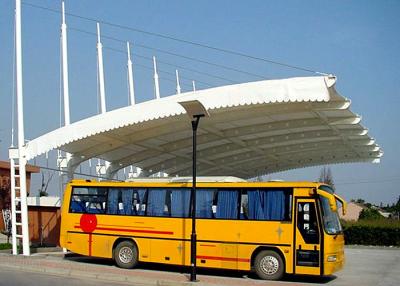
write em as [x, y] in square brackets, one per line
[269, 265]
[126, 254]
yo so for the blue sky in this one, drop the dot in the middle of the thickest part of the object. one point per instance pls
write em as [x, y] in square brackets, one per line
[358, 41]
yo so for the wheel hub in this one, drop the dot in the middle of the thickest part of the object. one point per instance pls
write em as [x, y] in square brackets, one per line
[269, 265]
[125, 254]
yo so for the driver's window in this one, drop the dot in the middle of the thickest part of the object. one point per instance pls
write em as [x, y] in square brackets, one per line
[307, 222]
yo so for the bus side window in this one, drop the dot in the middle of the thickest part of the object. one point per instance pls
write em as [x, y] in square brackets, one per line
[268, 204]
[244, 205]
[139, 201]
[113, 201]
[289, 200]
[156, 203]
[204, 203]
[127, 207]
[227, 204]
[180, 202]
[122, 201]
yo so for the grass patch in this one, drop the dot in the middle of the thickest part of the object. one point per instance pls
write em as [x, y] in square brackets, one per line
[5, 246]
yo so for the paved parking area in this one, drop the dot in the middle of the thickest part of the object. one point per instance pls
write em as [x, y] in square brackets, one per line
[370, 266]
[364, 266]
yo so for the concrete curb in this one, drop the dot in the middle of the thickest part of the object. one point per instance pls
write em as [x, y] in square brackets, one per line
[36, 250]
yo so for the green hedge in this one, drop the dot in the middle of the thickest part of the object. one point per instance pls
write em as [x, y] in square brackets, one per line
[375, 232]
[5, 246]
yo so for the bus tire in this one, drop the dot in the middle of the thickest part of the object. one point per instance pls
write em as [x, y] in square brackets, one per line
[126, 254]
[269, 265]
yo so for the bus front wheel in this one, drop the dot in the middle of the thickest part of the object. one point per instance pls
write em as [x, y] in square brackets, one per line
[126, 254]
[269, 265]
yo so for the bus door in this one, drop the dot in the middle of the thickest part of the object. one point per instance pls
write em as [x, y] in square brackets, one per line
[307, 238]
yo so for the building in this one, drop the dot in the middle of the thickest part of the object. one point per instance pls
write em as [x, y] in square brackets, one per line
[5, 185]
[44, 220]
[353, 211]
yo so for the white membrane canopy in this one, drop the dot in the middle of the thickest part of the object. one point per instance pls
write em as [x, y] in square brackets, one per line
[254, 128]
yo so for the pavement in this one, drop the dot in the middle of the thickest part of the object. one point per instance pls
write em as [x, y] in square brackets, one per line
[14, 278]
[3, 238]
[365, 266]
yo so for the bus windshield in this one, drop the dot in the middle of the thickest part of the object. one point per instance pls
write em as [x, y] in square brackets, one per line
[330, 218]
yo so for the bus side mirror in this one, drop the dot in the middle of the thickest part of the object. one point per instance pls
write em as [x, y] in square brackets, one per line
[343, 202]
[331, 199]
[332, 204]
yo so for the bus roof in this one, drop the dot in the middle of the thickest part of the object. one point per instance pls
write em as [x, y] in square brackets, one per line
[203, 179]
[186, 182]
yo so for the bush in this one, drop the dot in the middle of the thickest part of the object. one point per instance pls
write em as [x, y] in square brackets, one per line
[369, 214]
[5, 246]
[373, 232]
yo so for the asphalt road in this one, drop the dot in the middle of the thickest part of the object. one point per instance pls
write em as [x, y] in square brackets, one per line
[364, 266]
[369, 266]
[10, 277]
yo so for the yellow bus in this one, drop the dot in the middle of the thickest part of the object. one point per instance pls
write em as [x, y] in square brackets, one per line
[271, 228]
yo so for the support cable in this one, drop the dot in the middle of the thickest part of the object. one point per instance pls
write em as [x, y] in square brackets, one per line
[174, 54]
[75, 173]
[174, 65]
[133, 29]
[172, 74]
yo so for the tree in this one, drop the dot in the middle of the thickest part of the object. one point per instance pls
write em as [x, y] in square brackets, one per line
[369, 214]
[360, 201]
[5, 204]
[45, 184]
[326, 177]
[396, 208]
[5, 194]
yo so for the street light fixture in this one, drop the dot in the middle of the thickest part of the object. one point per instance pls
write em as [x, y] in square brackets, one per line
[195, 110]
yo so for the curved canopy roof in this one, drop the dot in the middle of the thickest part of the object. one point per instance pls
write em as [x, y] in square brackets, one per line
[254, 128]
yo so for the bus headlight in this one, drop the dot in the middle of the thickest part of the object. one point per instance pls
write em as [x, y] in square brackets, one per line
[331, 258]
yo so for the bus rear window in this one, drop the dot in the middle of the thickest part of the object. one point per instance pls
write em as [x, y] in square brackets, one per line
[88, 200]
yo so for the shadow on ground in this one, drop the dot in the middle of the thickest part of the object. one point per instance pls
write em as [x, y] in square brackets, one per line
[201, 271]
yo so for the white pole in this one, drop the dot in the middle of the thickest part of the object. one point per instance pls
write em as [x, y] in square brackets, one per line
[90, 166]
[178, 86]
[130, 77]
[156, 83]
[47, 159]
[194, 85]
[65, 67]
[101, 71]
[21, 136]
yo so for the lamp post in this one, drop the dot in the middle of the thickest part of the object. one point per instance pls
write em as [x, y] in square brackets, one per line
[195, 110]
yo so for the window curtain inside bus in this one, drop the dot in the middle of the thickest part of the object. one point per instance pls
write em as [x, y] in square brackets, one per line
[255, 205]
[275, 205]
[227, 205]
[140, 201]
[267, 205]
[127, 196]
[204, 201]
[156, 202]
[180, 202]
[112, 201]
